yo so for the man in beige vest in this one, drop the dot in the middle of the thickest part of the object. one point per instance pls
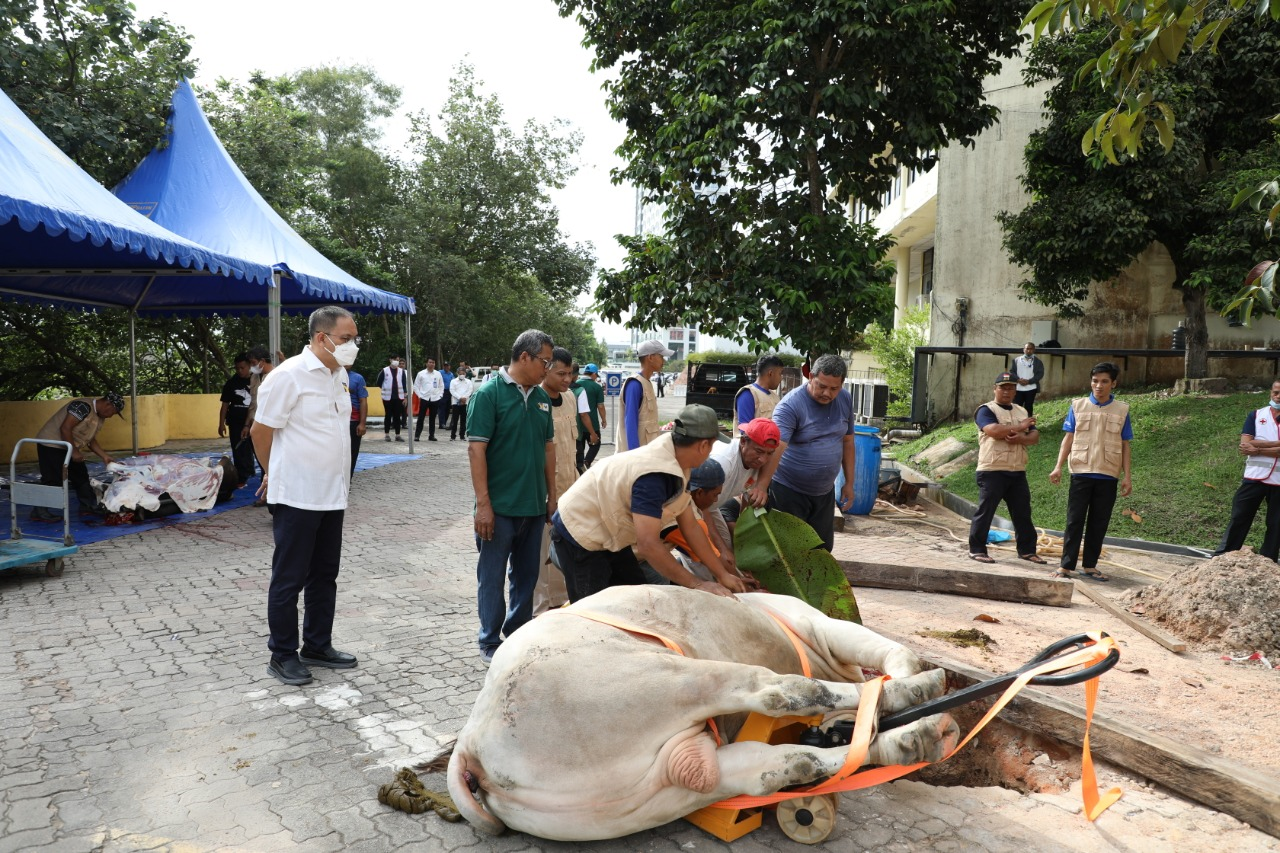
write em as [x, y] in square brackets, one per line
[565, 408]
[639, 403]
[1005, 431]
[628, 500]
[759, 399]
[76, 423]
[1097, 439]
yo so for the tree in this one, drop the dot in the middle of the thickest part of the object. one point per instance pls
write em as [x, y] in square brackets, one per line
[1090, 218]
[895, 350]
[750, 123]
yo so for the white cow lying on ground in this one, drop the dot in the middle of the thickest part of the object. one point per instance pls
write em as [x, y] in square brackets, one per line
[585, 731]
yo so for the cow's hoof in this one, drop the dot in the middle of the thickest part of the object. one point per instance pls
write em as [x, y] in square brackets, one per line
[927, 740]
[900, 693]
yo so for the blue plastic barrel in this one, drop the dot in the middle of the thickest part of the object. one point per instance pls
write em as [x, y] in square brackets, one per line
[866, 470]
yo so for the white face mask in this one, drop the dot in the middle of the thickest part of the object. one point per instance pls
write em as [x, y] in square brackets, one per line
[345, 354]
[256, 369]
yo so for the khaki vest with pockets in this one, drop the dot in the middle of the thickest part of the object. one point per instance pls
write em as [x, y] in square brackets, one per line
[597, 508]
[647, 430]
[765, 404]
[564, 420]
[996, 454]
[1097, 447]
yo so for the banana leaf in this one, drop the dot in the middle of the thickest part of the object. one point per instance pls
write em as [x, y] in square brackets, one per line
[786, 556]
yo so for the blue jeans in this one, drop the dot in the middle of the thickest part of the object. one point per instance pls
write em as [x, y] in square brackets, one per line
[518, 540]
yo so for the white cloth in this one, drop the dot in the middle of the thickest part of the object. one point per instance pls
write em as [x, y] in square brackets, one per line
[394, 376]
[309, 407]
[737, 477]
[428, 385]
[460, 389]
[1026, 367]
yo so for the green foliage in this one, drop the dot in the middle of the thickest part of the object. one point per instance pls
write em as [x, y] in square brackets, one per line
[895, 350]
[92, 77]
[749, 124]
[1185, 466]
[1088, 221]
[787, 557]
[743, 358]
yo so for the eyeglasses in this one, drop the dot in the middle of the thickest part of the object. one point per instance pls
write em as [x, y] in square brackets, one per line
[345, 339]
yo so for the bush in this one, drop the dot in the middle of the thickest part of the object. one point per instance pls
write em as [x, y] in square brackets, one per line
[896, 352]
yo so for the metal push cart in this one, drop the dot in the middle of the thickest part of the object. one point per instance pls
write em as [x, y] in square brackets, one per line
[24, 548]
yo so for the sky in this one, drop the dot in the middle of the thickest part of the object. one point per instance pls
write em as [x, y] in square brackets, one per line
[522, 51]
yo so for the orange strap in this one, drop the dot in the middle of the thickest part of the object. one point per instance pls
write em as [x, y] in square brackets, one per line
[847, 780]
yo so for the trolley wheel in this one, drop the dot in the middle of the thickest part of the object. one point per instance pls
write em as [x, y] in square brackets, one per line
[809, 820]
[53, 568]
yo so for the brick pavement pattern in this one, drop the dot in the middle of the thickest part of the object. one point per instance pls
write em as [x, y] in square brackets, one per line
[136, 714]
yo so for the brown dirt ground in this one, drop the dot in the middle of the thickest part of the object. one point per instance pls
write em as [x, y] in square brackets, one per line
[1194, 697]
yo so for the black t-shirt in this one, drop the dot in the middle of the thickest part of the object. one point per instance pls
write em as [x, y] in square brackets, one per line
[236, 395]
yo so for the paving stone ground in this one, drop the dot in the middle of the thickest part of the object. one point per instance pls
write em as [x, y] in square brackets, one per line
[136, 712]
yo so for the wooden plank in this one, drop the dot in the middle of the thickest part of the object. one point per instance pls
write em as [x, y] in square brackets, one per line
[990, 585]
[1221, 784]
[1142, 626]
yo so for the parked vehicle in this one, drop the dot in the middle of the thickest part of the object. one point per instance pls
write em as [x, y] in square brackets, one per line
[715, 385]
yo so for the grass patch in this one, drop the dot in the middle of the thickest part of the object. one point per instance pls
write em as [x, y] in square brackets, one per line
[1185, 466]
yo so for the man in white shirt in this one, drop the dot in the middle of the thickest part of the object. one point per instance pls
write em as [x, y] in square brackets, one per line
[459, 393]
[429, 386]
[302, 438]
[394, 383]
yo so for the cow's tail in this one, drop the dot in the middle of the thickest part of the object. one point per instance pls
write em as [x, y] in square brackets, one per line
[463, 775]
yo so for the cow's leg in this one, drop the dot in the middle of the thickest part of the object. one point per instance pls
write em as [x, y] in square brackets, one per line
[847, 645]
[758, 768]
[734, 688]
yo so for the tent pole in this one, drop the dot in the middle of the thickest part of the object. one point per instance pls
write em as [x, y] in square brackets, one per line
[273, 316]
[133, 377]
[408, 360]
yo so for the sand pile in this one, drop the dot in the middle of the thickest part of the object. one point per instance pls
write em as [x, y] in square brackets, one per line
[1231, 603]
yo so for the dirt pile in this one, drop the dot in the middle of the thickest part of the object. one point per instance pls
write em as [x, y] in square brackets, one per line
[1230, 603]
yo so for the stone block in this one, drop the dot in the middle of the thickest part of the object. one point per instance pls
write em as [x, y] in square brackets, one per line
[947, 449]
[948, 468]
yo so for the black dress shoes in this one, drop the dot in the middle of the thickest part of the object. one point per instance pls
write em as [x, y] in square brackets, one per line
[329, 657]
[289, 670]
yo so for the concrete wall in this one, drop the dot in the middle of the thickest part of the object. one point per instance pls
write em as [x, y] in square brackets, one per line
[1139, 309]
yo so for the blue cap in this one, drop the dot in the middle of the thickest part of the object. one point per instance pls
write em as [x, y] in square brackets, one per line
[591, 368]
[708, 475]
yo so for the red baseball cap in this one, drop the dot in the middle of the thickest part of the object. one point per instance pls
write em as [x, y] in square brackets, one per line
[762, 431]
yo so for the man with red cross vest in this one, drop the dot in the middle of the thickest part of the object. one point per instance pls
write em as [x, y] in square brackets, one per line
[1260, 443]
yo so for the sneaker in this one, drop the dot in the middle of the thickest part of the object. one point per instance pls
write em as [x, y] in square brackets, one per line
[399, 438]
[45, 514]
[386, 436]
[486, 653]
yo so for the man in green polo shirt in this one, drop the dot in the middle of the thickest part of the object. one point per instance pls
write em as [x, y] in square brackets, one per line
[589, 438]
[513, 472]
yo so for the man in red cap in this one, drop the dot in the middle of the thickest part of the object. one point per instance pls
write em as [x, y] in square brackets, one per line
[742, 460]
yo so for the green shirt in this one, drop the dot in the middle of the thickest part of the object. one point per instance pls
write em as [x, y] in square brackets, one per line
[595, 399]
[517, 428]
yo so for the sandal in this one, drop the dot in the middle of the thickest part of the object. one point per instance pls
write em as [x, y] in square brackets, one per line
[1033, 558]
[981, 558]
[1094, 575]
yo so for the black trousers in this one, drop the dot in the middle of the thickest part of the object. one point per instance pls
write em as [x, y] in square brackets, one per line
[1089, 505]
[241, 448]
[458, 424]
[428, 411]
[1026, 399]
[395, 415]
[587, 453]
[1244, 507]
[51, 457]
[356, 438]
[1010, 487]
[308, 553]
[446, 406]
[588, 572]
[818, 511]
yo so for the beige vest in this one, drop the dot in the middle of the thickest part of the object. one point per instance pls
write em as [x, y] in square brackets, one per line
[81, 434]
[995, 454]
[647, 429]
[1097, 447]
[597, 509]
[564, 419]
[766, 402]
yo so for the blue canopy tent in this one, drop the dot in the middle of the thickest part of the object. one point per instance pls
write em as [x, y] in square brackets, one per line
[193, 188]
[66, 241]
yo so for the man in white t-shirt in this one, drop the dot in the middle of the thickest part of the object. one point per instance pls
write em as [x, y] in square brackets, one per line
[302, 437]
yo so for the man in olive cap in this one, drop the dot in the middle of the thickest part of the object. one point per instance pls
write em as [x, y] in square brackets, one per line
[76, 423]
[628, 500]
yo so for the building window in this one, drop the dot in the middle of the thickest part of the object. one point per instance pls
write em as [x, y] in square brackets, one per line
[926, 272]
